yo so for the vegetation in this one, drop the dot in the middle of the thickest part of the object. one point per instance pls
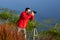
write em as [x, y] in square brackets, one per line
[7, 32]
[8, 27]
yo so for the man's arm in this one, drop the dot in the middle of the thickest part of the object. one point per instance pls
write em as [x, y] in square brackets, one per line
[32, 17]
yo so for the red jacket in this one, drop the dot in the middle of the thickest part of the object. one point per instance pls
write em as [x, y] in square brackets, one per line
[23, 20]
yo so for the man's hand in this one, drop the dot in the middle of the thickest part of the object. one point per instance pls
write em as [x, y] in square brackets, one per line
[33, 14]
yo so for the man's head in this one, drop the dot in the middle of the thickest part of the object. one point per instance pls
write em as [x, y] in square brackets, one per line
[28, 10]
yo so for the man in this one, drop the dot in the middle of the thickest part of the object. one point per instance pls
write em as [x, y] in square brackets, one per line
[24, 18]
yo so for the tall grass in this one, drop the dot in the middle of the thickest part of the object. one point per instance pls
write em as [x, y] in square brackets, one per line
[7, 32]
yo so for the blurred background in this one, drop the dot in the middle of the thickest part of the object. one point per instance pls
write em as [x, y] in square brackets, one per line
[47, 19]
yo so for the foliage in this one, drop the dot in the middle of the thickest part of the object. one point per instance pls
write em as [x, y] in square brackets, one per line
[30, 25]
[9, 33]
[8, 16]
[53, 32]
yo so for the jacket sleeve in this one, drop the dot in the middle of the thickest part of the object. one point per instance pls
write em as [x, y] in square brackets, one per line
[32, 17]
